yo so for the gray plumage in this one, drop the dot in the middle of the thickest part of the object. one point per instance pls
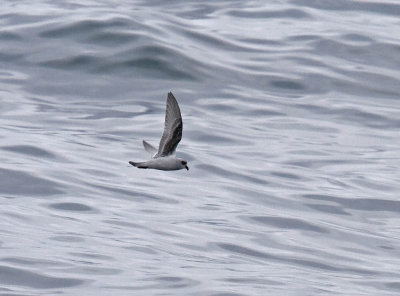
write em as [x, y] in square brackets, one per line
[164, 158]
[172, 134]
[150, 148]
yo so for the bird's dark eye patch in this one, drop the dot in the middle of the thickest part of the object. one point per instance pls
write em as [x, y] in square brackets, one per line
[184, 162]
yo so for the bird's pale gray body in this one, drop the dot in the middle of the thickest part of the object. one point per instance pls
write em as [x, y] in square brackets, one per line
[169, 163]
[164, 157]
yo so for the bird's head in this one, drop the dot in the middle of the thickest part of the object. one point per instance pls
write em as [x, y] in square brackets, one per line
[184, 164]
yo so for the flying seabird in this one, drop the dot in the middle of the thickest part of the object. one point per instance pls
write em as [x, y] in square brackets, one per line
[164, 158]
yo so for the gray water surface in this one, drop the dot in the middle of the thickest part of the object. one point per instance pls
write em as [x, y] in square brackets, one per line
[291, 129]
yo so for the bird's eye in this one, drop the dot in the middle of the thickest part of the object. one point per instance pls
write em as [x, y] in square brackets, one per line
[184, 162]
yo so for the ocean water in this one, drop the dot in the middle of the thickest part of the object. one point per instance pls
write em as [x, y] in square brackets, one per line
[291, 129]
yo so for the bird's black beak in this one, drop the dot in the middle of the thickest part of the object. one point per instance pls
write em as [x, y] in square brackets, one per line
[186, 167]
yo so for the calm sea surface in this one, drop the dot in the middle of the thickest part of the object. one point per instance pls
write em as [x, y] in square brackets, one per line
[291, 128]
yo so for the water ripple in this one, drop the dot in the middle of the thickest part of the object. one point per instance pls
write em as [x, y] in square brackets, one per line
[26, 278]
[288, 223]
[22, 183]
[280, 14]
[29, 150]
[84, 27]
[383, 7]
[71, 206]
[301, 262]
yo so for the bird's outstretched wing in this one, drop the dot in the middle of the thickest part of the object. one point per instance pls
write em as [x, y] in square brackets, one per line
[149, 148]
[173, 128]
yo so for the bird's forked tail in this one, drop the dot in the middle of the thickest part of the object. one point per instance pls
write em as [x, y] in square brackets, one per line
[139, 165]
